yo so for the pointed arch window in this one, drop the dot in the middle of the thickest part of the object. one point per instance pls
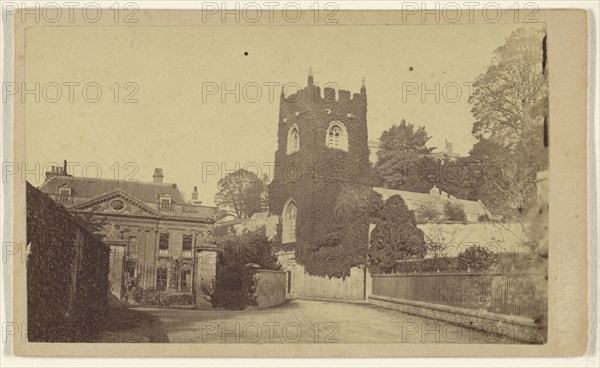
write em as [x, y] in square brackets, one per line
[337, 136]
[293, 141]
[290, 214]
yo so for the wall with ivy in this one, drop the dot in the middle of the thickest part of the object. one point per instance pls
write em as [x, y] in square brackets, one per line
[315, 175]
[67, 274]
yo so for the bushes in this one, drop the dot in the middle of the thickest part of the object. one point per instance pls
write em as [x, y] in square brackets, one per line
[484, 218]
[151, 297]
[477, 258]
[178, 299]
[472, 259]
[241, 256]
[454, 212]
[428, 214]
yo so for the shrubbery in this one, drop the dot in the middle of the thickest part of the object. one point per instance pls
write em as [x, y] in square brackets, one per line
[427, 214]
[484, 218]
[477, 258]
[474, 258]
[454, 212]
[240, 257]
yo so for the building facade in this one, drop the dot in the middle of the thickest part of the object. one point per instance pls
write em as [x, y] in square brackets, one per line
[155, 234]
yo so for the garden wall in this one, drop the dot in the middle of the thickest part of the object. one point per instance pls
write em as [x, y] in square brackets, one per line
[499, 238]
[300, 284]
[269, 288]
[67, 274]
[511, 304]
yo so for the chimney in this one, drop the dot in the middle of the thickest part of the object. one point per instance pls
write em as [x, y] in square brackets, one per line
[448, 148]
[53, 171]
[195, 196]
[158, 176]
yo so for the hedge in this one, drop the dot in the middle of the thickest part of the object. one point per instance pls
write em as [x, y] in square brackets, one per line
[67, 274]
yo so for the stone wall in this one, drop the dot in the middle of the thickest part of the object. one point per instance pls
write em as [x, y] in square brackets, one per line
[300, 284]
[509, 304]
[269, 288]
[500, 238]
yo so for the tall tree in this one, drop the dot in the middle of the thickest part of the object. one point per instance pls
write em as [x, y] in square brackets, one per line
[510, 100]
[241, 193]
[396, 237]
[510, 106]
[401, 148]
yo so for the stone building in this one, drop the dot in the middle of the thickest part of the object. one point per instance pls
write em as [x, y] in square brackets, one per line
[322, 149]
[322, 145]
[158, 239]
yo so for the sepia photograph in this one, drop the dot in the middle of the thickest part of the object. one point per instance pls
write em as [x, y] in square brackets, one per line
[210, 179]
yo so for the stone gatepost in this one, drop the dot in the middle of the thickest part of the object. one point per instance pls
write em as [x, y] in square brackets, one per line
[205, 272]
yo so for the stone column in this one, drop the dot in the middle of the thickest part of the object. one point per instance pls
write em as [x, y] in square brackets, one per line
[205, 272]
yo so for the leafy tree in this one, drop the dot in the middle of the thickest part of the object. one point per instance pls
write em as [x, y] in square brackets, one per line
[511, 99]
[241, 193]
[396, 237]
[356, 202]
[403, 138]
[401, 148]
[510, 106]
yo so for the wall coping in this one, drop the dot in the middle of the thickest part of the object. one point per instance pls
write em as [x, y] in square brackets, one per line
[416, 274]
[524, 321]
[272, 271]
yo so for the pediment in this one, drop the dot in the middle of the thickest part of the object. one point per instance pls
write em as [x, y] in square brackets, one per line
[116, 203]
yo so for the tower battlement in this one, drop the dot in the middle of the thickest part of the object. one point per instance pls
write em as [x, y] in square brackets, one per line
[323, 101]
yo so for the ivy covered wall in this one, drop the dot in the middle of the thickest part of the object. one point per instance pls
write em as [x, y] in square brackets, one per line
[67, 274]
[315, 175]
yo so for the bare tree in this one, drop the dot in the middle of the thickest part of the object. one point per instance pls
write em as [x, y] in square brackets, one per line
[241, 193]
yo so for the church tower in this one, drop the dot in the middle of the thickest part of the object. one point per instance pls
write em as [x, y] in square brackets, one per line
[322, 148]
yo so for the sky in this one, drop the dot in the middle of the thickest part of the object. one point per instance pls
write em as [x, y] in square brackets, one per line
[172, 121]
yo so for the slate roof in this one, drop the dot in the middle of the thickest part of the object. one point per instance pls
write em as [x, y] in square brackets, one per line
[84, 190]
[418, 202]
[88, 188]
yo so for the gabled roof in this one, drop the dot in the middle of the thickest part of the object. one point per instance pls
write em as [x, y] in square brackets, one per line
[90, 188]
[413, 200]
[87, 192]
[418, 202]
[119, 193]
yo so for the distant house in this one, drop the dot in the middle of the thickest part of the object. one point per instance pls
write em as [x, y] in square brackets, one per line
[447, 155]
[151, 228]
[430, 206]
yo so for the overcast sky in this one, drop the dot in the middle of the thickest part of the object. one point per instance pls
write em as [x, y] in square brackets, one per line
[173, 128]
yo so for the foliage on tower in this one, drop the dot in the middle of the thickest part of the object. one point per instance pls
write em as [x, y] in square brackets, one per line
[319, 178]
